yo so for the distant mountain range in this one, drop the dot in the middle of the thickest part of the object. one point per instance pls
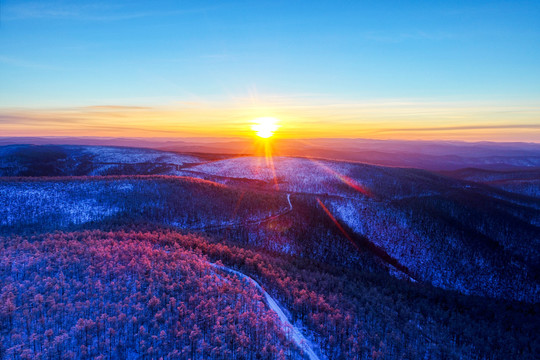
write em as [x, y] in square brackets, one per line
[430, 155]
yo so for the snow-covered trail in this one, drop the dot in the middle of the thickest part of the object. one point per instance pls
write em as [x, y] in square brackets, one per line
[289, 200]
[290, 329]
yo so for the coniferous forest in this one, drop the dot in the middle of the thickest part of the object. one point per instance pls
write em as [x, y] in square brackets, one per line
[340, 261]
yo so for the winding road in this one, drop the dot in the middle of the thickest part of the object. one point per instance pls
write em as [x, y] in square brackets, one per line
[289, 329]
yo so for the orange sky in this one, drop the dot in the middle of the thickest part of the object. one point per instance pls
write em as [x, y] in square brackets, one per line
[396, 119]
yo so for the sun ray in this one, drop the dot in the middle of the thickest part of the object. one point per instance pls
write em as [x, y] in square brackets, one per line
[270, 162]
[345, 179]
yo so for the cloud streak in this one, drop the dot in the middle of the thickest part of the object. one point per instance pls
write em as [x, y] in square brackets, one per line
[117, 107]
[384, 119]
[467, 127]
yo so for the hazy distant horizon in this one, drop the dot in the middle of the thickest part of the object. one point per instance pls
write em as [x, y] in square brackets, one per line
[430, 155]
[453, 70]
[15, 139]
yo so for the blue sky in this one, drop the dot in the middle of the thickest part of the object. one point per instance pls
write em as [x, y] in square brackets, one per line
[61, 54]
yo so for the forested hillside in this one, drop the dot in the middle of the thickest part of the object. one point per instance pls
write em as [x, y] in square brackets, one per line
[355, 214]
[120, 295]
[256, 258]
[455, 234]
[30, 205]
[151, 294]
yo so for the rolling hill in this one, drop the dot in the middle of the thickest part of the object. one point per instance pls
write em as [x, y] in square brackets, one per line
[326, 259]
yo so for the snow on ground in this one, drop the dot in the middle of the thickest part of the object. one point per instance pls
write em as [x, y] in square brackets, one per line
[65, 160]
[291, 174]
[102, 169]
[395, 237]
[427, 259]
[53, 199]
[259, 168]
[526, 187]
[114, 155]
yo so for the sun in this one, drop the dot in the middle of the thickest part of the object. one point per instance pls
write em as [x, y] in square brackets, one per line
[265, 126]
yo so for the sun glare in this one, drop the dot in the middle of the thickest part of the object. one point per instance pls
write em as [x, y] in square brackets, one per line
[265, 126]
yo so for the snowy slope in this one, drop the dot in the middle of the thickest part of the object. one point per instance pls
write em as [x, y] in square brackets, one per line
[113, 155]
[68, 160]
[324, 177]
[290, 174]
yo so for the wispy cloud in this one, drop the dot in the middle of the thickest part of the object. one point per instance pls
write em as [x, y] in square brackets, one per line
[394, 118]
[117, 107]
[38, 119]
[463, 127]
